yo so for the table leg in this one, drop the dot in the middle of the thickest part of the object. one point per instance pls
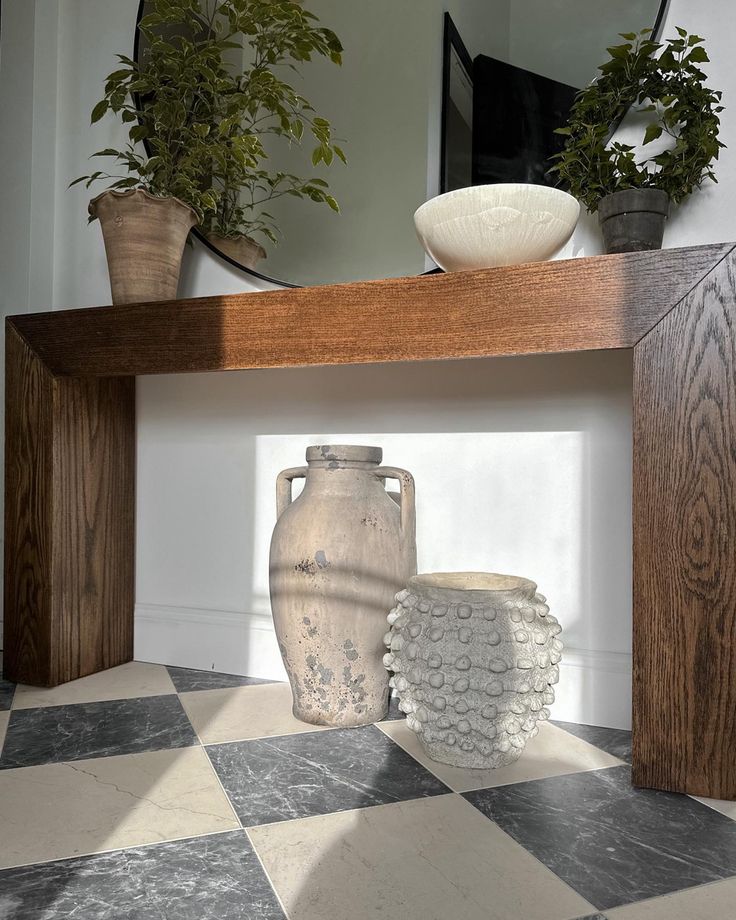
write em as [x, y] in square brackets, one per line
[69, 521]
[684, 666]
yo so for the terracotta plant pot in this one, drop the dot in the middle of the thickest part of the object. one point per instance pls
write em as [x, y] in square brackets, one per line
[633, 220]
[241, 249]
[144, 242]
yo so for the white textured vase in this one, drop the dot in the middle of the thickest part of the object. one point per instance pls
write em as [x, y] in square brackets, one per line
[474, 657]
[490, 225]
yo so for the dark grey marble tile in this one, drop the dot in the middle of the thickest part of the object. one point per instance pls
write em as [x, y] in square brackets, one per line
[615, 741]
[316, 773]
[612, 843]
[207, 878]
[55, 733]
[7, 692]
[7, 689]
[187, 679]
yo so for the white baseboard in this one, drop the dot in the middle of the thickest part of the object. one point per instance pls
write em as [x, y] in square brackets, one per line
[233, 642]
[594, 687]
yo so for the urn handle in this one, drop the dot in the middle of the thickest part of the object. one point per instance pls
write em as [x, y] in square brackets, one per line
[408, 496]
[283, 487]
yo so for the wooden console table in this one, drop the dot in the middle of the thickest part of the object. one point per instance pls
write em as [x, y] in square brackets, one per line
[70, 454]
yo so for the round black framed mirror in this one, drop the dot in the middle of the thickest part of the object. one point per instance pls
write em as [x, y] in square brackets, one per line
[431, 95]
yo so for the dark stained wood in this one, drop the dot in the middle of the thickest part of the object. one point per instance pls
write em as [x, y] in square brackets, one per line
[70, 454]
[94, 524]
[574, 305]
[684, 664]
[28, 652]
[70, 527]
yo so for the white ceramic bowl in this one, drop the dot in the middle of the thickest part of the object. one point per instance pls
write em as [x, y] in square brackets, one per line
[489, 225]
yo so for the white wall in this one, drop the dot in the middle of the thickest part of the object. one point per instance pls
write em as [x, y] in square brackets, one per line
[541, 487]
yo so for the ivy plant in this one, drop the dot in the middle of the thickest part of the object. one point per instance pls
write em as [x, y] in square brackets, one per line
[199, 114]
[664, 81]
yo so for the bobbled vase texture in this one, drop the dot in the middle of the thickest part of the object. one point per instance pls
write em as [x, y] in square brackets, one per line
[474, 657]
[339, 553]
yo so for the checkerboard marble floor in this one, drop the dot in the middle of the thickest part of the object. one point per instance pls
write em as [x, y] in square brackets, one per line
[153, 792]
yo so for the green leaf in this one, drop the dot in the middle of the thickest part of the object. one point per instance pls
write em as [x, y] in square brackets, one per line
[99, 110]
[653, 132]
[698, 55]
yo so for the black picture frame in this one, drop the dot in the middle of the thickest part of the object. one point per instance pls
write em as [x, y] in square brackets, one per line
[454, 52]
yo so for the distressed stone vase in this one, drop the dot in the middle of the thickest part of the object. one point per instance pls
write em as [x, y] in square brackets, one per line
[474, 657]
[339, 553]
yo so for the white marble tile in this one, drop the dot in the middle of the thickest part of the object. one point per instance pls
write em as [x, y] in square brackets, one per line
[242, 713]
[89, 806]
[716, 901]
[552, 753]
[725, 807]
[128, 681]
[4, 716]
[426, 859]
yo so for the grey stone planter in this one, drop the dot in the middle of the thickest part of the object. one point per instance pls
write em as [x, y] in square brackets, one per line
[474, 657]
[633, 220]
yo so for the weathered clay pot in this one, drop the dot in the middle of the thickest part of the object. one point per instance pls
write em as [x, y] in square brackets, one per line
[144, 242]
[633, 220]
[474, 656]
[339, 553]
[242, 249]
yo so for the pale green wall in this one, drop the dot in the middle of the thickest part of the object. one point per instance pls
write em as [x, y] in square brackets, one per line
[567, 39]
[378, 102]
[385, 102]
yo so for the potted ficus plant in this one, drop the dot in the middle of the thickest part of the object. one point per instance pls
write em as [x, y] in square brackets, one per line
[258, 104]
[197, 118]
[631, 191]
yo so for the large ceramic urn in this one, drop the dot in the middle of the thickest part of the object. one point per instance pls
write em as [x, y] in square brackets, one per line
[339, 553]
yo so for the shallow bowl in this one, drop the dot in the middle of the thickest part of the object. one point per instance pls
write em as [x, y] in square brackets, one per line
[490, 225]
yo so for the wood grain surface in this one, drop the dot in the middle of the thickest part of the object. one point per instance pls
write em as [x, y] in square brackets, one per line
[69, 521]
[684, 675]
[28, 647]
[573, 305]
[94, 524]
